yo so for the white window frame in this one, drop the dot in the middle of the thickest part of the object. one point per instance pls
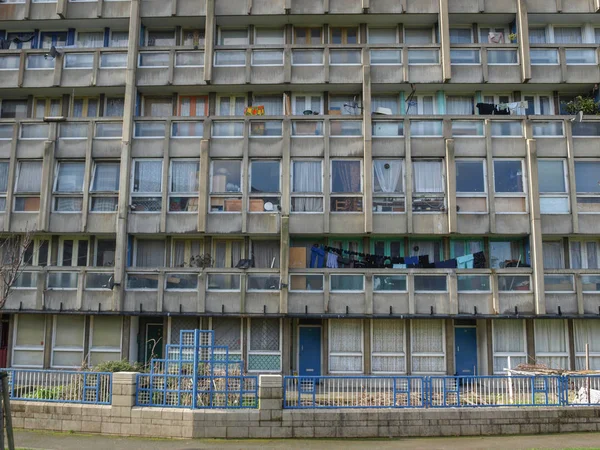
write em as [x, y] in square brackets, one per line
[496, 29]
[346, 194]
[307, 102]
[252, 195]
[231, 352]
[344, 291]
[369, 27]
[187, 252]
[330, 353]
[537, 103]
[75, 256]
[419, 100]
[306, 194]
[147, 33]
[17, 195]
[416, 195]
[396, 195]
[580, 353]
[77, 32]
[389, 354]
[464, 27]
[106, 98]
[227, 28]
[495, 98]
[565, 194]
[279, 353]
[523, 194]
[496, 354]
[433, 34]
[306, 291]
[150, 67]
[256, 103]
[225, 195]
[76, 194]
[584, 194]
[583, 252]
[134, 256]
[110, 37]
[414, 354]
[232, 102]
[28, 348]
[181, 194]
[256, 29]
[101, 349]
[68, 349]
[133, 194]
[101, 194]
[483, 194]
[35, 260]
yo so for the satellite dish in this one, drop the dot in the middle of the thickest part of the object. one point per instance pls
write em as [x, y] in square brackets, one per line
[268, 206]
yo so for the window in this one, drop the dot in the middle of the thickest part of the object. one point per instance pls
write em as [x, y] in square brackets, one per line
[267, 58]
[24, 39]
[73, 253]
[105, 339]
[543, 57]
[459, 105]
[347, 283]
[547, 129]
[153, 59]
[389, 283]
[471, 186]
[273, 104]
[388, 186]
[385, 57]
[508, 342]
[308, 36]
[231, 105]
[104, 187]
[119, 39]
[47, 107]
[387, 128]
[39, 62]
[493, 35]
[415, 36]
[423, 57]
[230, 58]
[54, 38]
[346, 105]
[193, 37]
[227, 252]
[587, 182]
[345, 346]
[228, 332]
[68, 187]
[422, 105]
[264, 346]
[267, 128]
[109, 130]
[160, 38]
[146, 185]
[567, 35]
[37, 131]
[149, 253]
[183, 188]
[67, 341]
[104, 253]
[269, 36]
[3, 184]
[85, 107]
[587, 332]
[90, 39]
[307, 57]
[9, 62]
[465, 57]
[307, 104]
[27, 186]
[507, 128]
[13, 109]
[73, 130]
[233, 36]
[385, 101]
[473, 283]
[192, 106]
[346, 186]
[307, 186]
[428, 343]
[157, 106]
[554, 256]
[552, 176]
[186, 252]
[29, 336]
[502, 57]
[189, 59]
[37, 254]
[265, 254]
[509, 186]
[428, 186]
[461, 36]
[383, 35]
[265, 190]
[584, 254]
[225, 186]
[343, 35]
[503, 253]
[539, 104]
[114, 107]
[537, 35]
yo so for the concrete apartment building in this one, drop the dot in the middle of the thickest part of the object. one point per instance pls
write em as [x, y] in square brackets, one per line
[425, 141]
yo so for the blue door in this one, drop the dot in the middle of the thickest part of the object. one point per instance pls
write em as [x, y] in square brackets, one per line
[465, 342]
[309, 344]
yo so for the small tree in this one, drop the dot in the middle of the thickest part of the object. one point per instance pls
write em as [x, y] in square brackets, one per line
[587, 105]
[14, 252]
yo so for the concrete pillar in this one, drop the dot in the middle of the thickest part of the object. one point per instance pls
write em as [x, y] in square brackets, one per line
[49, 318]
[530, 336]
[46, 182]
[490, 346]
[368, 160]
[450, 356]
[270, 393]
[571, 177]
[128, 114]
[537, 259]
[571, 343]
[286, 346]
[523, 38]
[284, 259]
[123, 390]
[451, 187]
[490, 179]
[408, 347]
[367, 346]
[12, 170]
[408, 174]
[444, 26]
[209, 40]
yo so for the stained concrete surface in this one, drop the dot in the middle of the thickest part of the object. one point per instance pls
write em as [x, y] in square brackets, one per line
[69, 441]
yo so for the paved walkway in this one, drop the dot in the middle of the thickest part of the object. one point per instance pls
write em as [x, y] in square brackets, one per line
[66, 441]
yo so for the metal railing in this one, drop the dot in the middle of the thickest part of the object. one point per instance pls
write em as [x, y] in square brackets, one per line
[302, 392]
[60, 386]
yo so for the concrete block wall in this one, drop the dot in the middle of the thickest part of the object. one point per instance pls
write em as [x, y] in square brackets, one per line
[270, 420]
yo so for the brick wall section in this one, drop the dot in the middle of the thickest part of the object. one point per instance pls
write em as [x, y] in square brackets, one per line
[270, 421]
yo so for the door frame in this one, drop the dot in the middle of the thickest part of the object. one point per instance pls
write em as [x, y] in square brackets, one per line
[298, 346]
[146, 360]
[476, 348]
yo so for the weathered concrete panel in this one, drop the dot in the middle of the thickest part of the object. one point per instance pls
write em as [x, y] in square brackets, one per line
[354, 302]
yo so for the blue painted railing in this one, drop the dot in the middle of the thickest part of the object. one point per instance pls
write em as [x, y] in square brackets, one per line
[197, 374]
[60, 386]
[303, 392]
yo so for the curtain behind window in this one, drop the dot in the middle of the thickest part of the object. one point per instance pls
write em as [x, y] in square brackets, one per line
[30, 176]
[150, 253]
[427, 176]
[106, 178]
[567, 35]
[266, 254]
[147, 176]
[184, 176]
[388, 174]
[550, 338]
[553, 255]
[273, 104]
[537, 36]
[385, 101]
[459, 105]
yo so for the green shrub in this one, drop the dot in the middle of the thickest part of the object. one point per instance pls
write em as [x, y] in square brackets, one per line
[585, 104]
[118, 366]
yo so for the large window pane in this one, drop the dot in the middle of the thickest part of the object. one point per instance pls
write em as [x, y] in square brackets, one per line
[346, 177]
[508, 176]
[470, 176]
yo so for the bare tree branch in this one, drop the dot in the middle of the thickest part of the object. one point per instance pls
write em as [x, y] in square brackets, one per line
[16, 252]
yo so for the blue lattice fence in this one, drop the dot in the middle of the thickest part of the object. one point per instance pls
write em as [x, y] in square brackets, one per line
[197, 374]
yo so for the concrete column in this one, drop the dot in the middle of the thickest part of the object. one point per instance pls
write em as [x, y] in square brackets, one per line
[523, 38]
[270, 393]
[482, 349]
[284, 260]
[450, 357]
[12, 170]
[46, 183]
[203, 185]
[490, 347]
[286, 343]
[451, 187]
[86, 179]
[490, 175]
[537, 259]
[368, 158]
[571, 343]
[61, 8]
[408, 347]
[209, 40]
[128, 113]
[325, 348]
[123, 390]
[530, 336]
[444, 25]
[408, 175]
[367, 346]
[49, 318]
[326, 174]
[571, 177]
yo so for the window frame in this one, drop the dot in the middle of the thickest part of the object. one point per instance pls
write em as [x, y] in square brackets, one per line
[565, 194]
[308, 30]
[484, 194]
[254, 195]
[395, 28]
[417, 195]
[358, 195]
[134, 267]
[85, 106]
[67, 194]
[101, 349]
[232, 102]
[279, 352]
[590, 195]
[147, 32]
[395, 195]
[26, 194]
[102, 194]
[584, 253]
[220, 30]
[187, 251]
[496, 354]
[188, 195]
[375, 354]
[67, 349]
[414, 354]
[256, 29]
[226, 195]
[194, 103]
[133, 193]
[331, 353]
[75, 256]
[47, 102]
[28, 348]
[78, 32]
[307, 194]
[307, 100]
[524, 194]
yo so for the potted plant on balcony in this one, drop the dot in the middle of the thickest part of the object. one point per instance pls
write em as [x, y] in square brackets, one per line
[586, 105]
